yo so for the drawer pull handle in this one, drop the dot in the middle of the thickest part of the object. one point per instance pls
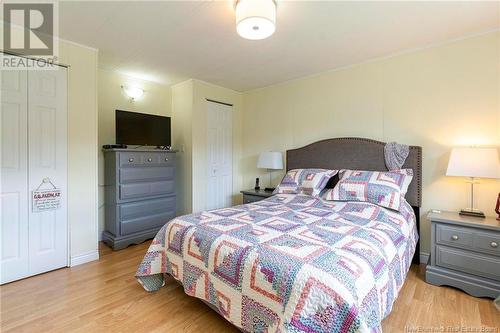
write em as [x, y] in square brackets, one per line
[454, 237]
[130, 159]
[166, 158]
[494, 244]
[149, 159]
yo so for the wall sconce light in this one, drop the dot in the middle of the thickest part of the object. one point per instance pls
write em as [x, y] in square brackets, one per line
[133, 92]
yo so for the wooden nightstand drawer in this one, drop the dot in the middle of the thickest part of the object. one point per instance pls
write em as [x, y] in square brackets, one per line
[487, 243]
[468, 238]
[454, 236]
[468, 262]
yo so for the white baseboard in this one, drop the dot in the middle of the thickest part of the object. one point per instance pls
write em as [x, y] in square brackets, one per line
[84, 258]
[424, 257]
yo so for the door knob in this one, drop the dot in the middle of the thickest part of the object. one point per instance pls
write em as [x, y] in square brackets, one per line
[149, 159]
[494, 244]
[454, 237]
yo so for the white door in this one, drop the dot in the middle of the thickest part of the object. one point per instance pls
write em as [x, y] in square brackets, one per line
[33, 147]
[220, 155]
[14, 176]
[47, 126]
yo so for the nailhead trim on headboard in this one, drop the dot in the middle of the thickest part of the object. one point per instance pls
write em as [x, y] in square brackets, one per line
[418, 173]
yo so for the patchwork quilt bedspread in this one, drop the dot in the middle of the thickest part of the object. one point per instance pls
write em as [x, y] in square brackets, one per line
[290, 263]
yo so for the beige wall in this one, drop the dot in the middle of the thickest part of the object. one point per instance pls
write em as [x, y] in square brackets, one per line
[156, 100]
[82, 149]
[182, 114]
[437, 98]
[190, 112]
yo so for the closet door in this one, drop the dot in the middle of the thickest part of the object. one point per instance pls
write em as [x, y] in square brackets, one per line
[47, 126]
[219, 155]
[14, 176]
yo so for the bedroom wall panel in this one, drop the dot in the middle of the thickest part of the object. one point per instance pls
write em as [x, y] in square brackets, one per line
[82, 149]
[437, 98]
[182, 113]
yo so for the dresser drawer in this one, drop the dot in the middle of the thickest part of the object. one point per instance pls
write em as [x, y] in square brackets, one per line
[468, 262]
[142, 174]
[159, 159]
[146, 159]
[167, 159]
[468, 238]
[131, 159]
[151, 159]
[144, 215]
[144, 190]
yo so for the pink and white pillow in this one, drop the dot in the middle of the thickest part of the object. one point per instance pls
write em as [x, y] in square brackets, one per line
[305, 181]
[386, 189]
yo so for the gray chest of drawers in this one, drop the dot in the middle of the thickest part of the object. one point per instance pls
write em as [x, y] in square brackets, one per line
[139, 194]
[465, 253]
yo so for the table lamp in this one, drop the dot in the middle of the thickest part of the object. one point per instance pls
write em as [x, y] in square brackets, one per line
[270, 160]
[473, 163]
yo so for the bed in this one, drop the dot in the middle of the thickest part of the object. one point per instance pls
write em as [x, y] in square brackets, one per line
[293, 262]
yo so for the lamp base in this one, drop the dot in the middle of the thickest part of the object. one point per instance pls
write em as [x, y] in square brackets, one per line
[474, 213]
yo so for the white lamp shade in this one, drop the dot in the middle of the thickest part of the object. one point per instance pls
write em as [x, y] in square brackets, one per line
[255, 19]
[474, 162]
[270, 160]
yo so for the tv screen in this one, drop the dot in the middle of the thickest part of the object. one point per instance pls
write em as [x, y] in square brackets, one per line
[134, 128]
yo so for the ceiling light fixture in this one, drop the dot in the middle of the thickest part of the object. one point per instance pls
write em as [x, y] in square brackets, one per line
[255, 19]
[133, 92]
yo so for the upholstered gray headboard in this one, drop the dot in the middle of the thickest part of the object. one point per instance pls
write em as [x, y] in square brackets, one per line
[356, 154]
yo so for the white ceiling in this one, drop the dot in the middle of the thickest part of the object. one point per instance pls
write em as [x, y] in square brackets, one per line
[171, 41]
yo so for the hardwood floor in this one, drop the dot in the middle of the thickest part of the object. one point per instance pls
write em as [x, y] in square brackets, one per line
[103, 296]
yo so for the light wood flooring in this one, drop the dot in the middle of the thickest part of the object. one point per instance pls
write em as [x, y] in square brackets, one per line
[103, 296]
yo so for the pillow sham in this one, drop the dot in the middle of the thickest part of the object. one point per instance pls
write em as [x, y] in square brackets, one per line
[386, 189]
[305, 181]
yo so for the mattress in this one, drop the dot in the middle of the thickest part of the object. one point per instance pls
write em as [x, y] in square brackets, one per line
[290, 263]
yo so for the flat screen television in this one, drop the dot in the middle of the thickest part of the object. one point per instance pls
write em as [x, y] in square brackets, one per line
[133, 128]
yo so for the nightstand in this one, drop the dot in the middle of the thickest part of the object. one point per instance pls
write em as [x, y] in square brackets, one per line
[465, 253]
[253, 195]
